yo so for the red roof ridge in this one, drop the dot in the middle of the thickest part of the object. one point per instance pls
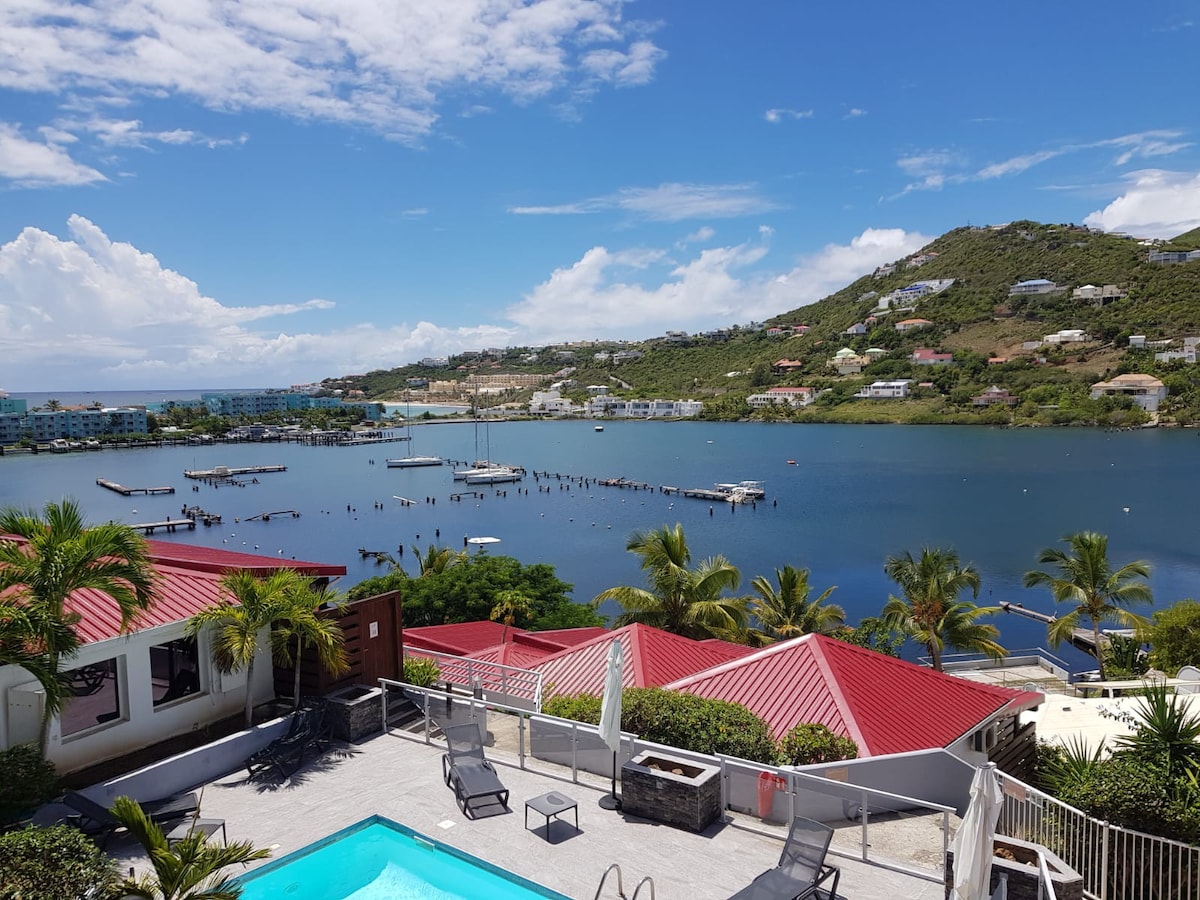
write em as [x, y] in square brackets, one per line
[835, 689]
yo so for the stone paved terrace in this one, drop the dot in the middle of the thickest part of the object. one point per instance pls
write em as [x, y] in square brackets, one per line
[395, 776]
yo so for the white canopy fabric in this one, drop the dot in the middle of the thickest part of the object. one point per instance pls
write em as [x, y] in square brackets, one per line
[973, 844]
[610, 705]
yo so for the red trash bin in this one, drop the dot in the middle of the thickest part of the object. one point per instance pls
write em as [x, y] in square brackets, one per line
[768, 786]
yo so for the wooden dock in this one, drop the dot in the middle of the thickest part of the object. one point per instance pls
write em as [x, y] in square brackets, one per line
[223, 473]
[1080, 639]
[170, 525]
[129, 492]
[195, 513]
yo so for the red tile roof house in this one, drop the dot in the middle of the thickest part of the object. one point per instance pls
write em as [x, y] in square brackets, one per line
[127, 695]
[885, 705]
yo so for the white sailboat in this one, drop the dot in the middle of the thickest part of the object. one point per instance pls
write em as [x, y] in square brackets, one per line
[483, 470]
[411, 462]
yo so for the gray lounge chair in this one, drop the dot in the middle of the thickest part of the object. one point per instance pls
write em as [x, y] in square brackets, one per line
[96, 821]
[802, 869]
[467, 770]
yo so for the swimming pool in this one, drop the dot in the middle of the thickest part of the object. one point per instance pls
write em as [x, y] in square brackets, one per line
[378, 859]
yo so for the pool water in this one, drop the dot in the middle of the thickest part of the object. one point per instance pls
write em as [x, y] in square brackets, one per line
[378, 859]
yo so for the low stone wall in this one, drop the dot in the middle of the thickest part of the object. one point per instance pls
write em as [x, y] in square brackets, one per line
[689, 797]
[354, 713]
[1024, 876]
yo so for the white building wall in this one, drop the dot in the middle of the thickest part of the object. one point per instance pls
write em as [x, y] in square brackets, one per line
[141, 723]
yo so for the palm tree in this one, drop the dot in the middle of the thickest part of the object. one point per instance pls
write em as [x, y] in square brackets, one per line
[509, 605]
[436, 560]
[930, 612]
[282, 601]
[1086, 579]
[62, 554]
[788, 612]
[191, 869]
[307, 628]
[682, 600]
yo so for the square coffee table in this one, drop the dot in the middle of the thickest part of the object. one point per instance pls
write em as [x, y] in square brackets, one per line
[551, 805]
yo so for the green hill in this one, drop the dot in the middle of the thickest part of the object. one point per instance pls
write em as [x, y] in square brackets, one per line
[976, 319]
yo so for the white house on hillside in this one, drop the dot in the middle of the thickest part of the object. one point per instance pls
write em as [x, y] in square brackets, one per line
[1034, 286]
[1067, 336]
[1145, 390]
[777, 396]
[886, 390]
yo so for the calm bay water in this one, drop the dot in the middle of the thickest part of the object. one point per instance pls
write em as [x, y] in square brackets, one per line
[855, 495]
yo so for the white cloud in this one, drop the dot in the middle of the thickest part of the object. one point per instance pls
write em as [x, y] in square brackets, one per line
[31, 164]
[1017, 164]
[386, 66]
[89, 310]
[701, 235]
[775, 116]
[855, 113]
[601, 295]
[1145, 145]
[1157, 203]
[672, 202]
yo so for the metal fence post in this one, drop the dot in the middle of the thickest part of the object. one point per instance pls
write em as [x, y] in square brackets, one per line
[383, 686]
[521, 739]
[575, 752]
[1104, 862]
[864, 810]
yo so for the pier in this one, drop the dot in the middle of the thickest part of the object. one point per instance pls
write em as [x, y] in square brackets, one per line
[129, 492]
[195, 513]
[170, 525]
[404, 501]
[1080, 639]
[223, 473]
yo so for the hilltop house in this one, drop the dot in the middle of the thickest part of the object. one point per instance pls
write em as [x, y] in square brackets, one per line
[151, 683]
[1145, 390]
[1098, 295]
[784, 366]
[856, 329]
[911, 324]
[994, 395]
[886, 390]
[1173, 257]
[1034, 286]
[1067, 336]
[923, 356]
[777, 396]
[1187, 354]
[847, 362]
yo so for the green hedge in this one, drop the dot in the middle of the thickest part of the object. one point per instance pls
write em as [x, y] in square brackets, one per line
[808, 744]
[28, 781]
[56, 863]
[679, 720]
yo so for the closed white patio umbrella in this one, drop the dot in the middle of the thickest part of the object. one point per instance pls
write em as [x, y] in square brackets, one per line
[973, 844]
[610, 715]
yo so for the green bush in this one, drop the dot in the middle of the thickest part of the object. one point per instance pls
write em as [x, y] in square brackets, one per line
[679, 720]
[580, 708]
[420, 671]
[56, 863]
[810, 743]
[1175, 637]
[28, 782]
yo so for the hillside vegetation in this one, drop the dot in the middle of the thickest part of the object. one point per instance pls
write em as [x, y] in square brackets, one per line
[976, 319]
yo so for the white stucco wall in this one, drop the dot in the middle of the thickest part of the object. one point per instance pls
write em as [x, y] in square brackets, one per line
[140, 724]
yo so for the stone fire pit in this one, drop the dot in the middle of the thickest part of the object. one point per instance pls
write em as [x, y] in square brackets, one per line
[675, 791]
[354, 712]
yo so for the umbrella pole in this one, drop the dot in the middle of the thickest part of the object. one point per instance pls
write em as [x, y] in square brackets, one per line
[612, 801]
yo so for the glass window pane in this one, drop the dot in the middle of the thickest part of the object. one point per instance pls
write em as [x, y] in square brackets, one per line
[96, 698]
[174, 670]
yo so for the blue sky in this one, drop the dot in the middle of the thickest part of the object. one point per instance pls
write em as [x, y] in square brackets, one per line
[276, 191]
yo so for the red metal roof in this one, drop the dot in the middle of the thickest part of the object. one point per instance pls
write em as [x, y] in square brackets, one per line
[652, 658]
[188, 581]
[482, 640]
[884, 705]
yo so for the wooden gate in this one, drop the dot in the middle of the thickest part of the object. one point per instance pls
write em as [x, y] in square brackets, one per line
[374, 631]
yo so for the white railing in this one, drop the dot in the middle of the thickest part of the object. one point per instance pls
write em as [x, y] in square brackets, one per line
[504, 684]
[764, 797]
[1116, 863]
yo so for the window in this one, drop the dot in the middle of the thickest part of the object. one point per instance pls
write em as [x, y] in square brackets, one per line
[96, 697]
[174, 670]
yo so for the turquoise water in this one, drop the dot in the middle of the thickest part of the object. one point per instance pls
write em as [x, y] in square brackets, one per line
[855, 495]
[380, 860]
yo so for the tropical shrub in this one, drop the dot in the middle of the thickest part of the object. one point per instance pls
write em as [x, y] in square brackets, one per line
[420, 671]
[679, 720]
[28, 782]
[578, 707]
[55, 863]
[1175, 637]
[811, 743]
